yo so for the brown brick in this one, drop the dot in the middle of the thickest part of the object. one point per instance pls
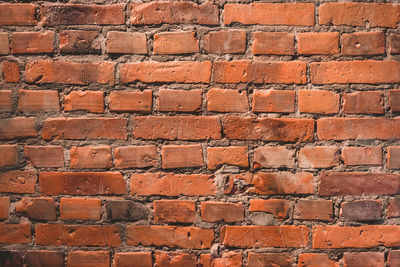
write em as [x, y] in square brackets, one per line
[126, 210]
[32, 42]
[179, 100]
[17, 127]
[273, 157]
[44, 258]
[88, 258]
[182, 156]
[95, 157]
[222, 212]
[125, 259]
[80, 209]
[318, 101]
[90, 101]
[38, 100]
[139, 101]
[226, 259]
[170, 259]
[363, 43]
[79, 42]
[394, 43]
[273, 43]
[45, 156]
[394, 258]
[175, 43]
[318, 43]
[10, 72]
[393, 157]
[321, 210]
[4, 207]
[15, 233]
[227, 100]
[368, 259]
[174, 211]
[362, 156]
[9, 155]
[225, 42]
[20, 182]
[282, 183]
[394, 100]
[126, 43]
[17, 14]
[394, 208]
[314, 259]
[362, 210]
[233, 155]
[135, 157]
[269, 259]
[43, 208]
[318, 157]
[11, 258]
[4, 44]
[273, 101]
[363, 102]
[5, 100]
[278, 207]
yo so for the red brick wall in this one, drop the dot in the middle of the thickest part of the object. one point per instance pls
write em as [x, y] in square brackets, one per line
[184, 133]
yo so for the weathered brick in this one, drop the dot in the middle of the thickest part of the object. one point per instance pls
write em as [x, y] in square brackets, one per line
[318, 157]
[9, 155]
[44, 258]
[368, 259]
[393, 157]
[222, 212]
[90, 101]
[81, 183]
[363, 102]
[227, 100]
[80, 209]
[179, 100]
[226, 259]
[278, 207]
[273, 101]
[4, 207]
[282, 183]
[171, 259]
[354, 156]
[17, 127]
[126, 43]
[394, 100]
[273, 157]
[394, 258]
[232, 155]
[32, 42]
[393, 208]
[5, 100]
[361, 210]
[174, 211]
[135, 157]
[4, 44]
[43, 208]
[321, 210]
[314, 259]
[363, 43]
[125, 259]
[38, 100]
[90, 157]
[15, 233]
[126, 210]
[318, 101]
[79, 42]
[88, 258]
[318, 43]
[181, 156]
[10, 71]
[394, 43]
[273, 43]
[17, 14]
[225, 42]
[167, 43]
[269, 259]
[20, 182]
[139, 101]
[9, 258]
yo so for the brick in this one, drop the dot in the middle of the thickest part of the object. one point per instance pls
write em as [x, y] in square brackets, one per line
[126, 43]
[80, 209]
[320, 210]
[232, 155]
[314, 259]
[176, 127]
[363, 43]
[318, 43]
[318, 157]
[368, 259]
[268, 129]
[226, 259]
[357, 128]
[45, 156]
[10, 72]
[359, 14]
[17, 127]
[354, 156]
[84, 128]
[358, 183]
[66, 72]
[393, 208]
[11, 258]
[227, 100]
[173, 71]
[393, 157]
[15, 233]
[300, 14]
[76, 14]
[6, 101]
[4, 44]
[171, 12]
[126, 210]
[88, 258]
[4, 207]
[182, 156]
[362, 210]
[38, 100]
[179, 100]
[44, 258]
[269, 259]
[273, 43]
[32, 42]
[318, 101]
[273, 101]
[139, 101]
[9, 155]
[278, 207]
[225, 42]
[273, 157]
[95, 157]
[282, 183]
[19, 182]
[363, 102]
[90, 101]
[43, 208]
[174, 211]
[79, 42]
[242, 71]
[366, 71]
[81, 183]
[169, 43]
[394, 100]
[393, 258]
[141, 259]
[394, 43]
[135, 157]
[143, 184]
[17, 14]
[222, 212]
[173, 259]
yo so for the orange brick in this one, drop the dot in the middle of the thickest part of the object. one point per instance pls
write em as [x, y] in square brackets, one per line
[80, 209]
[4, 44]
[367, 258]
[17, 14]
[125, 259]
[318, 101]
[270, 259]
[318, 157]
[233, 155]
[174, 211]
[318, 43]
[363, 43]
[369, 102]
[95, 157]
[126, 43]
[182, 156]
[140, 101]
[17, 127]
[226, 259]
[38, 100]
[226, 100]
[4, 207]
[362, 156]
[314, 259]
[9, 155]
[10, 72]
[278, 207]
[15, 233]
[5, 100]
[175, 43]
[273, 157]
[22, 182]
[90, 101]
[32, 42]
[273, 43]
[273, 101]
[135, 157]
[179, 100]
[175, 259]
[45, 156]
[223, 42]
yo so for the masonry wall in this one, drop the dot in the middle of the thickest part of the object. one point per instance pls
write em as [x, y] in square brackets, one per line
[216, 133]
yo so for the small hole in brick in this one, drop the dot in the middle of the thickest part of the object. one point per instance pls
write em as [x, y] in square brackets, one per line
[357, 45]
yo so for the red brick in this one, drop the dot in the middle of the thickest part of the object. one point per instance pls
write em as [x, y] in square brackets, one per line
[222, 212]
[318, 43]
[10, 72]
[394, 100]
[182, 156]
[9, 155]
[368, 259]
[95, 157]
[5, 100]
[357, 128]
[126, 43]
[278, 207]
[173, 259]
[393, 208]
[125, 259]
[179, 100]
[80, 209]
[4, 207]
[362, 210]
[143, 184]
[314, 259]
[241, 71]
[363, 43]
[15, 233]
[273, 101]
[173, 71]
[370, 102]
[273, 157]
[358, 183]
[171, 236]
[318, 157]
[233, 155]
[177, 127]
[17, 14]
[88, 258]
[32, 42]
[393, 157]
[269, 259]
[17, 127]
[81, 183]
[359, 14]
[225, 42]
[174, 211]
[225, 259]
[90, 101]
[45, 156]
[11, 258]
[84, 128]
[76, 14]
[268, 129]
[43, 208]
[171, 12]
[273, 43]
[135, 157]
[282, 183]
[318, 101]
[301, 14]
[354, 156]
[365, 71]
[4, 44]
[66, 72]
[321, 210]
[79, 42]
[38, 100]
[139, 101]
[394, 43]
[394, 258]
[175, 43]
[227, 100]
[44, 258]
[20, 182]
